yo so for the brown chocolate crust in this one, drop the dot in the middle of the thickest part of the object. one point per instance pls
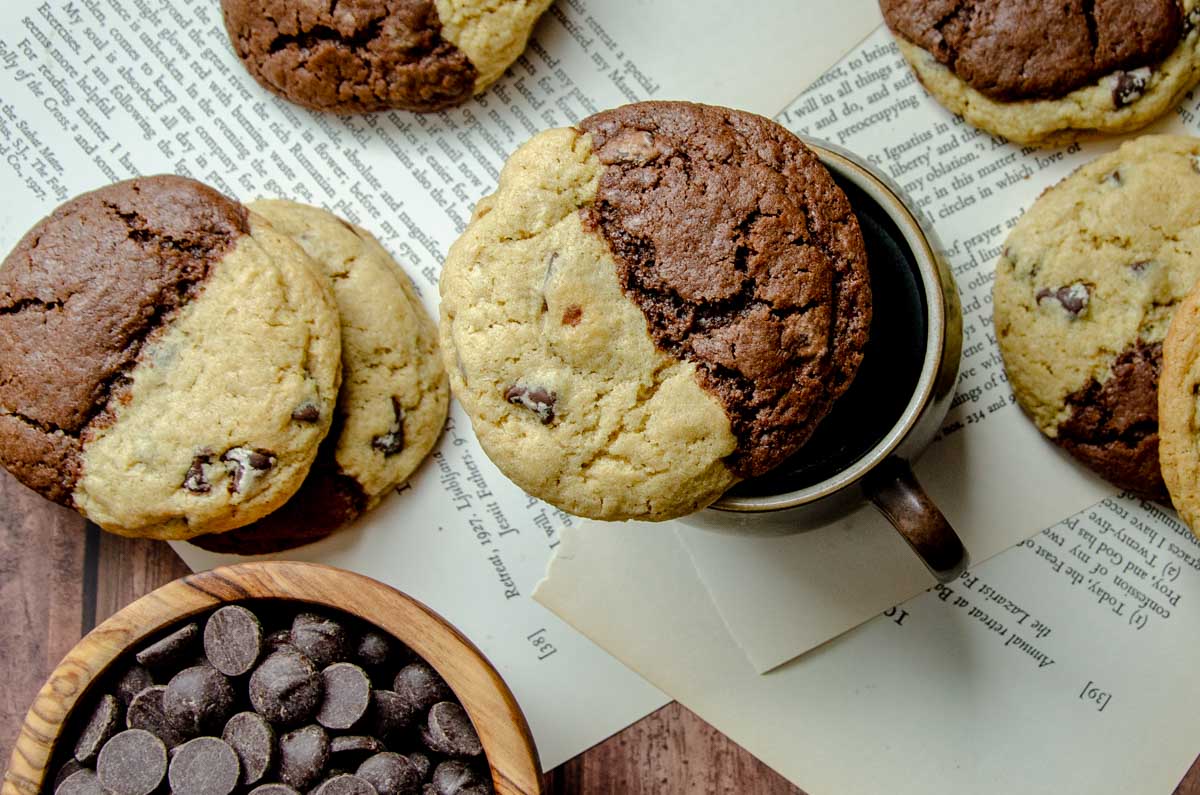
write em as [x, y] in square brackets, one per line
[1037, 49]
[1113, 427]
[79, 297]
[351, 56]
[745, 258]
[328, 500]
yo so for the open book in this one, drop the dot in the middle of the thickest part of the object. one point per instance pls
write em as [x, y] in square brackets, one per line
[93, 91]
[1063, 665]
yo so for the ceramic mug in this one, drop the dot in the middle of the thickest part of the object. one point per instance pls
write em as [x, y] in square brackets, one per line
[863, 451]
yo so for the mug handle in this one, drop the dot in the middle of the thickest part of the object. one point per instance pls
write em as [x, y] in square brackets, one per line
[894, 490]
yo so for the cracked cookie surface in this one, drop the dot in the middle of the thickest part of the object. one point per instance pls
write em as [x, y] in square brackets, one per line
[155, 339]
[394, 394]
[351, 56]
[1085, 290]
[1035, 71]
[652, 307]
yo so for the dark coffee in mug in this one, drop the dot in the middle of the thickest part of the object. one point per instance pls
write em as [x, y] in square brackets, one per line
[891, 366]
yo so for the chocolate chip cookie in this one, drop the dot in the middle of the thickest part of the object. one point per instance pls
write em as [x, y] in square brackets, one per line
[1040, 71]
[157, 342]
[394, 394]
[1084, 292]
[655, 304]
[367, 55]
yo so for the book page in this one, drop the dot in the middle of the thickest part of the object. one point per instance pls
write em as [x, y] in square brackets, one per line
[94, 91]
[996, 478]
[1063, 665]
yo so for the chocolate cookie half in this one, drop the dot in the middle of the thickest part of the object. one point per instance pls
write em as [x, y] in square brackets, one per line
[654, 305]
[1085, 290]
[366, 55]
[394, 394]
[1034, 70]
[155, 341]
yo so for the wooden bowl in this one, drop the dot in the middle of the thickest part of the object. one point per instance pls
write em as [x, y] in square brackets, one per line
[502, 729]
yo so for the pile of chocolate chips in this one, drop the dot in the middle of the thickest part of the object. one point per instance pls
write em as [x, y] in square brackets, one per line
[272, 702]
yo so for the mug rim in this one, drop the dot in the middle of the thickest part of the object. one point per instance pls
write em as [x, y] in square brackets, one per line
[918, 238]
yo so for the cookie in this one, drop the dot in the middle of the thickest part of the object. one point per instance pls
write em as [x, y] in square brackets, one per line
[1179, 419]
[156, 341]
[1084, 292]
[1036, 71]
[369, 55]
[394, 395]
[652, 306]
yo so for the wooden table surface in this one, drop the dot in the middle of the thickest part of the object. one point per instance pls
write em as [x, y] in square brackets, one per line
[59, 577]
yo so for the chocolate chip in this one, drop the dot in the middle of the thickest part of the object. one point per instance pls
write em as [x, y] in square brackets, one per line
[350, 744]
[307, 412]
[253, 740]
[204, 766]
[135, 679]
[391, 712]
[233, 640]
[133, 762]
[1129, 86]
[421, 687]
[82, 782]
[322, 639]
[345, 784]
[374, 650]
[196, 481]
[537, 399]
[1140, 267]
[171, 650]
[572, 315]
[69, 768]
[392, 442]
[453, 777]
[1073, 298]
[422, 763]
[390, 774]
[285, 688]
[104, 723]
[303, 754]
[1114, 179]
[246, 467]
[347, 696]
[273, 789]
[448, 731]
[146, 712]
[277, 640]
[198, 700]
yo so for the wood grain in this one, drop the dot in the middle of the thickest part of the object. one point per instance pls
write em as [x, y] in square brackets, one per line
[41, 598]
[669, 751]
[41, 609]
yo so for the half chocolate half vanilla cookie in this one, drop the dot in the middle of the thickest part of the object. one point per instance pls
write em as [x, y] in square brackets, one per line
[1085, 290]
[1044, 70]
[365, 55]
[654, 305]
[168, 362]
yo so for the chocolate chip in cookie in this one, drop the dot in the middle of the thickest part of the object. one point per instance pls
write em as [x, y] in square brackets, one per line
[537, 399]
